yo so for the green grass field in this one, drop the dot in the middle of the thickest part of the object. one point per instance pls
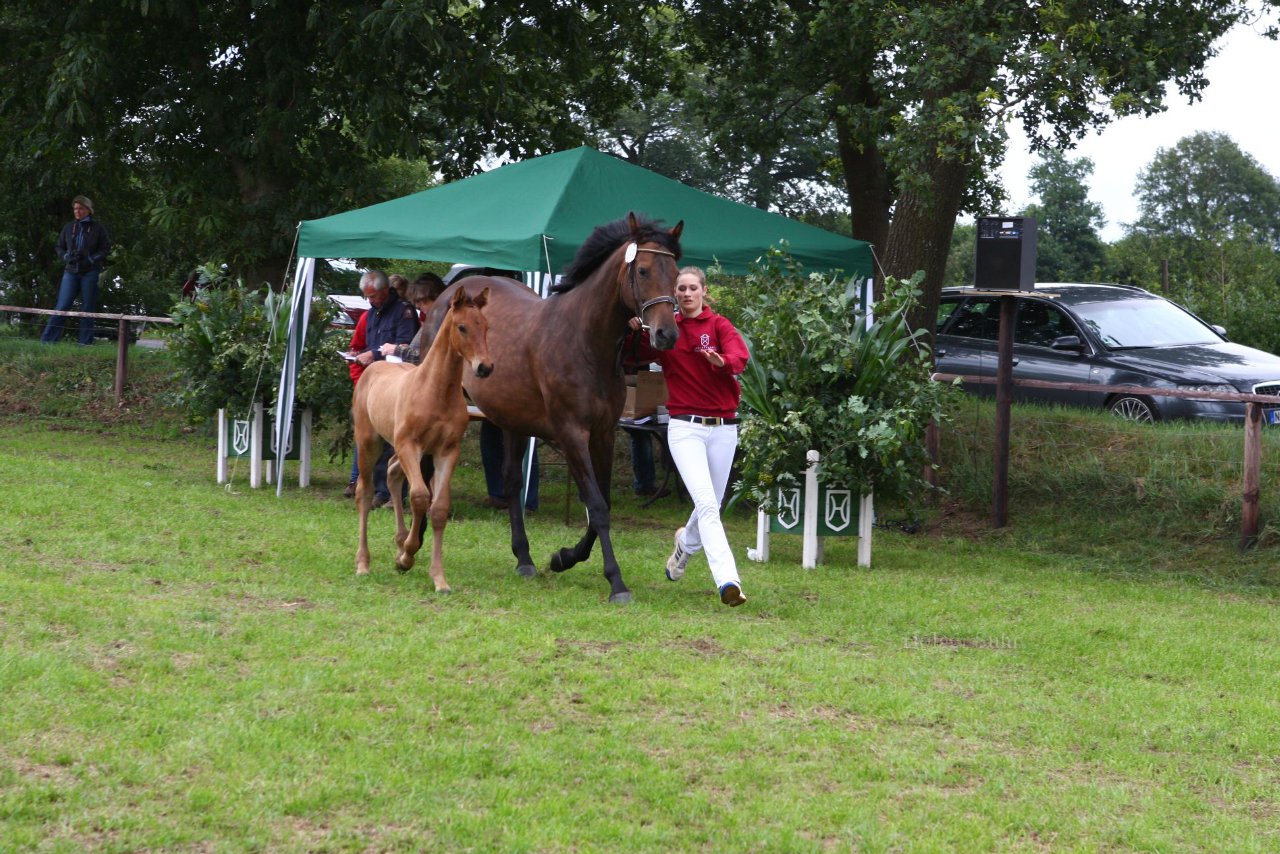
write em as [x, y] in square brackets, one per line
[187, 667]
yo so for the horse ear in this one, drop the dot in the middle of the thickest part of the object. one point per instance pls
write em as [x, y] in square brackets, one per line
[459, 297]
[481, 300]
[675, 232]
[632, 222]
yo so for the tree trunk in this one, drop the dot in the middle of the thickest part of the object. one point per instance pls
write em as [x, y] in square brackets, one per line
[866, 175]
[920, 236]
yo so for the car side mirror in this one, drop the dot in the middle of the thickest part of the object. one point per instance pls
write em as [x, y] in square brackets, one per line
[1069, 343]
[1221, 330]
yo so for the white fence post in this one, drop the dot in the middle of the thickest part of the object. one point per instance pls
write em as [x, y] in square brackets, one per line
[809, 553]
[304, 452]
[255, 447]
[761, 551]
[249, 440]
[825, 509]
[866, 520]
[222, 446]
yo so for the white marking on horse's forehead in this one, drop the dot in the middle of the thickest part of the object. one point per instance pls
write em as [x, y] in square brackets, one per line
[632, 248]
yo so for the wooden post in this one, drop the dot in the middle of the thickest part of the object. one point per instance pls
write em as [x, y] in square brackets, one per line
[122, 358]
[1252, 475]
[933, 447]
[1004, 396]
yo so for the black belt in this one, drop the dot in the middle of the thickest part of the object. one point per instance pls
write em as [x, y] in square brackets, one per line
[704, 420]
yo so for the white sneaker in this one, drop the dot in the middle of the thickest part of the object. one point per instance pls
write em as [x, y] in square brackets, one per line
[679, 558]
[731, 594]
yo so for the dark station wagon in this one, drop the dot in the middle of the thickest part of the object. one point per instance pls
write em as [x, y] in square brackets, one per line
[1104, 335]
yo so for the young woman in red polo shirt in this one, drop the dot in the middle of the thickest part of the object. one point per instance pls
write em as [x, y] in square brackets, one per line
[702, 399]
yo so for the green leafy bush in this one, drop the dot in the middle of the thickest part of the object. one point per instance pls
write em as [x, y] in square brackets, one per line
[820, 378]
[229, 344]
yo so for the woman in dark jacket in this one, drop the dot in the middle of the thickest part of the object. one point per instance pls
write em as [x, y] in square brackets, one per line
[83, 246]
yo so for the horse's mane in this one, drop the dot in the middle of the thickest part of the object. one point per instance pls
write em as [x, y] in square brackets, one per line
[604, 240]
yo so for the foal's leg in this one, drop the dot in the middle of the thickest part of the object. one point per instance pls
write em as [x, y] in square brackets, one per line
[419, 500]
[395, 479]
[440, 506]
[514, 447]
[366, 456]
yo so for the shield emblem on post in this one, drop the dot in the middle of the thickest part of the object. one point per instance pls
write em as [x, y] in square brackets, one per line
[240, 437]
[789, 508]
[275, 442]
[838, 512]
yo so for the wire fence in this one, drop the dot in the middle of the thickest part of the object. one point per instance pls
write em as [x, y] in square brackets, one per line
[1185, 479]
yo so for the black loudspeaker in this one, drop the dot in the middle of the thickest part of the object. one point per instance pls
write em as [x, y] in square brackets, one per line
[1006, 258]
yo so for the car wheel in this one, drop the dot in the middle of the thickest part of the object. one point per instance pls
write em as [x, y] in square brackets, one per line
[1134, 408]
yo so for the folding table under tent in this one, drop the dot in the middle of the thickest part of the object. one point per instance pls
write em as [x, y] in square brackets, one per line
[533, 215]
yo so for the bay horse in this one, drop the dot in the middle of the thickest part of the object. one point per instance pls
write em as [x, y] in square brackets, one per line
[422, 411]
[559, 371]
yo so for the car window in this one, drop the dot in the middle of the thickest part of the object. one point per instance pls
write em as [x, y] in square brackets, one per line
[977, 318]
[1136, 323]
[945, 309]
[1039, 323]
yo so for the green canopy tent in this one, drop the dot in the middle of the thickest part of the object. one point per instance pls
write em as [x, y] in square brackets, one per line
[533, 215]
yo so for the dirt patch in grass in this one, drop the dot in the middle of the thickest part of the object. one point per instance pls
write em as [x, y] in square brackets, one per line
[589, 648]
[955, 520]
[700, 646]
[47, 773]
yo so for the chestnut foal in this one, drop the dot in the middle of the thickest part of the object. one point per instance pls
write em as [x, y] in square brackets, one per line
[422, 412]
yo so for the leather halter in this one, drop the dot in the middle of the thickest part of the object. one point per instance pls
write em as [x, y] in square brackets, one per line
[635, 286]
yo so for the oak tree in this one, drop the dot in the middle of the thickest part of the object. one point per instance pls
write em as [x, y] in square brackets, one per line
[919, 93]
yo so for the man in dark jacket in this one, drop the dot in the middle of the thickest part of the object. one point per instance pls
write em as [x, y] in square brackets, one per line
[82, 247]
[390, 320]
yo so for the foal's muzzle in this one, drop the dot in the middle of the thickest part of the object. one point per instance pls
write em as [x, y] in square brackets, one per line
[483, 369]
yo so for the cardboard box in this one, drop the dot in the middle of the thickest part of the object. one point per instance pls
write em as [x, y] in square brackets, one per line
[646, 391]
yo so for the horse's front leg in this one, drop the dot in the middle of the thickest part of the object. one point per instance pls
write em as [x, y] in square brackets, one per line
[582, 473]
[440, 507]
[419, 501]
[395, 481]
[514, 447]
[592, 471]
[563, 559]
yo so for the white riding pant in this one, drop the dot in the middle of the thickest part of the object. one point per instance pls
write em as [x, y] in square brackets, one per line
[704, 457]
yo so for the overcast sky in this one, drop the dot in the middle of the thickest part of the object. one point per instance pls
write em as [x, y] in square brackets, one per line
[1239, 101]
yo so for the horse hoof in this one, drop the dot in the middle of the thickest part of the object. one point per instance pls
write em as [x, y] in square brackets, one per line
[562, 560]
[402, 568]
[448, 591]
[527, 570]
[623, 598]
